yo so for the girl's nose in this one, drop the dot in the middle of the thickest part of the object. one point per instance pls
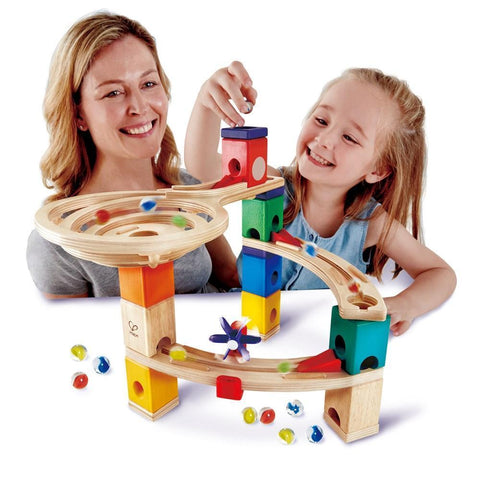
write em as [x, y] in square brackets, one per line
[325, 140]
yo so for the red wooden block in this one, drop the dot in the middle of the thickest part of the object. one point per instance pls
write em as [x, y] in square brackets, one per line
[246, 159]
[229, 387]
[285, 237]
[323, 362]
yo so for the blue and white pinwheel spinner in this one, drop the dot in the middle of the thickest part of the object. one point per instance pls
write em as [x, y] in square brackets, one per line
[235, 339]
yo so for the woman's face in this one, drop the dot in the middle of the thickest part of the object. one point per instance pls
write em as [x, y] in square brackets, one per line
[123, 103]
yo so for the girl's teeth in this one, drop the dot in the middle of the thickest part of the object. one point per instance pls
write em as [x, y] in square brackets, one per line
[319, 159]
[138, 131]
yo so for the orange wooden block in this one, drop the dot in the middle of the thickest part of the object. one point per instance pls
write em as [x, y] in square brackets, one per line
[147, 286]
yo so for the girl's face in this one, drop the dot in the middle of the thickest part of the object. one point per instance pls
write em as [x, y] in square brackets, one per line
[123, 103]
[337, 144]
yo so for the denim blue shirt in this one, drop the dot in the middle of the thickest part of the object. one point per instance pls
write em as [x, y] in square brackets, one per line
[348, 242]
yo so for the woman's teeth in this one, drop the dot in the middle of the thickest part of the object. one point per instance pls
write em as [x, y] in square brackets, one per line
[137, 131]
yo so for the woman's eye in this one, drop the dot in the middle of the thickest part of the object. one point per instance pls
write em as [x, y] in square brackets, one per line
[113, 94]
[149, 84]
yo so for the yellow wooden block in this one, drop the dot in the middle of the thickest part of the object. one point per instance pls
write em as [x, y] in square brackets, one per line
[354, 412]
[263, 312]
[144, 328]
[150, 393]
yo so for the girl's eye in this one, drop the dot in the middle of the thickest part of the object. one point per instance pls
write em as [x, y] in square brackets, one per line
[350, 139]
[320, 121]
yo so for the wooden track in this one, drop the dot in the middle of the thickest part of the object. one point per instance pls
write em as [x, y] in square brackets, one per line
[256, 374]
[338, 275]
[132, 237]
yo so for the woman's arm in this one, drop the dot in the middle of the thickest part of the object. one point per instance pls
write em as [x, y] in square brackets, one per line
[226, 89]
[433, 279]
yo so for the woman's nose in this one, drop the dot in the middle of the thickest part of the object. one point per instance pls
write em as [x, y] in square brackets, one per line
[137, 104]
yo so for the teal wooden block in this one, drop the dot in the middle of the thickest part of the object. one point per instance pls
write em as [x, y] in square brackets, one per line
[262, 217]
[359, 344]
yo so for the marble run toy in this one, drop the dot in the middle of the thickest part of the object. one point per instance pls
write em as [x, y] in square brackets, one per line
[139, 233]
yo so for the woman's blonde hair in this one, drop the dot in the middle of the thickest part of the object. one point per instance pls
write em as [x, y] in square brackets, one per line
[402, 152]
[69, 160]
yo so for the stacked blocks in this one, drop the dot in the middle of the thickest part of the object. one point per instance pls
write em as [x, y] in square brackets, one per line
[244, 154]
[360, 344]
[148, 316]
[262, 216]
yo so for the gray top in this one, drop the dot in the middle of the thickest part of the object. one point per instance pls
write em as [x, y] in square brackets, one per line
[56, 272]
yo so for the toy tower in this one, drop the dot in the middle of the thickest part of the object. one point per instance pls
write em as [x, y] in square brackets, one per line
[148, 316]
[244, 158]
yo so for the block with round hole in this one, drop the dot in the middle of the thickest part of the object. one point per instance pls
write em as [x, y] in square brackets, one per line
[261, 271]
[246, 159]
[262, 217]
[263, 312]
[359, 344]
[151, 393]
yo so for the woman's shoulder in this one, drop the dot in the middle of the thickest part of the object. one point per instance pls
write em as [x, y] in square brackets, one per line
[186, 178]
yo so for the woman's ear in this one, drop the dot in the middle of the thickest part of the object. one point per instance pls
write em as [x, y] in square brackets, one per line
[81, 123]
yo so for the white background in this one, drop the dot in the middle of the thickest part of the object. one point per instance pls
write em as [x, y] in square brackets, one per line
[429, 419]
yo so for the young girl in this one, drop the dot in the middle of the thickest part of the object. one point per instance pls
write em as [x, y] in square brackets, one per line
[354, 184]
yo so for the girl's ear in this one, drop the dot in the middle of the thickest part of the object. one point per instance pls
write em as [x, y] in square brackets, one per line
[378, 175]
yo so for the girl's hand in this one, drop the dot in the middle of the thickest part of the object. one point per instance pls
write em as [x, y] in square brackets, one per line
[400, 318]
[226, 89]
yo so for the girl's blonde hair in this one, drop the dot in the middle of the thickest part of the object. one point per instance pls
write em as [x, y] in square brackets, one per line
[402, 152]
[69, 160]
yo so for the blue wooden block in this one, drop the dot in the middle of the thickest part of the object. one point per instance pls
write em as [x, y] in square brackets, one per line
[261, 272]
[276, 192]
[244, 133]
[359, 344]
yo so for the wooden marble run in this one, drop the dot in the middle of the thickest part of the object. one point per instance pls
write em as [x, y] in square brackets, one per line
[113, 229]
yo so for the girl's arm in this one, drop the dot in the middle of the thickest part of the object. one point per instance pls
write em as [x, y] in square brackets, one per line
[226, 89]
[433, 279]
[224, 266]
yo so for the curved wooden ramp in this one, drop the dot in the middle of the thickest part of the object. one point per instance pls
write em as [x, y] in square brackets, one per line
[256, 374]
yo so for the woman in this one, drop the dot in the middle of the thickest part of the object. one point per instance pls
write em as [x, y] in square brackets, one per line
[106, 109]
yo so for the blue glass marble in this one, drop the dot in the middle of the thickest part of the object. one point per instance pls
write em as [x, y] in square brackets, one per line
[314, 434]
[101, 364]
[295, 408]
[148, 204]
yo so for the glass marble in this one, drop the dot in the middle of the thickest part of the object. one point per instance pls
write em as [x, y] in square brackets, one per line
[295, 408]
[179, 221]
[249, 415]
[177, 352]
[267, 415]
[286, 436]
[79, 352]
[310, 249]
[101, 364]
[148, 204]
[79, 380]
[314, 433]
[284, 367]
[102, 216]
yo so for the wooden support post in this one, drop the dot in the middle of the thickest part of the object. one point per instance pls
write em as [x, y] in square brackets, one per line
[151, 393]
[353, 412]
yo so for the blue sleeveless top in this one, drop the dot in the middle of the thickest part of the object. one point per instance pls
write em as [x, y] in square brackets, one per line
[347, 242]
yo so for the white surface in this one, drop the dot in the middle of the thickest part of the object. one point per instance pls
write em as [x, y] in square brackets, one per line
[429, 417]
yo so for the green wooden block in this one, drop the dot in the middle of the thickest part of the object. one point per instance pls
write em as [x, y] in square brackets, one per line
[359, 344]
[262, 217]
